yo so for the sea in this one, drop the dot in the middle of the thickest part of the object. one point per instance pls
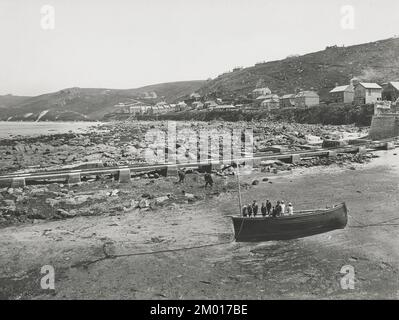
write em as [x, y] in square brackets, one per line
[9, 129]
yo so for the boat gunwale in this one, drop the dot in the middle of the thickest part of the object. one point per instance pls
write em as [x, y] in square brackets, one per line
[316, 212]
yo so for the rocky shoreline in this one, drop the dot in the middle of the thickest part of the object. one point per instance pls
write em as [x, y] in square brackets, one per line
[120, 143]
[124, 143]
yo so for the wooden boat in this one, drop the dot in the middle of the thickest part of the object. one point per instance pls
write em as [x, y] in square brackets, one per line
[301, 224]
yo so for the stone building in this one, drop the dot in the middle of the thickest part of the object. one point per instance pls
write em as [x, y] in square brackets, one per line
[271, 101]
[342, 94]
[367, 93]
[260, 92]
[306, 99]
[287, 101]
[390, 91]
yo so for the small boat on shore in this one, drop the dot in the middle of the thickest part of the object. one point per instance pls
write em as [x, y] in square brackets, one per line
[301, 224]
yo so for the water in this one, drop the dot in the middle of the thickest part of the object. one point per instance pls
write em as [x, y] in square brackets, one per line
[10, 128]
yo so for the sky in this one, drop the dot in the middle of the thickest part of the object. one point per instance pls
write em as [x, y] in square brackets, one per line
[131, 43]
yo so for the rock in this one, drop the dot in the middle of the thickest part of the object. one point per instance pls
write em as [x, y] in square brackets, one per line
[77, 200]
[134, 204]
[114, 193]
[144, 203]
[52, 202]
[38, 191]
[161, 199]
[265, 179]
[147, 196]
[65, 214]
[189, 195]
[36, 215]
[10, 205]
[255, 182]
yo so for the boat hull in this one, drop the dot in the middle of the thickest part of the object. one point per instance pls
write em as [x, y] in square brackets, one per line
[290, 227]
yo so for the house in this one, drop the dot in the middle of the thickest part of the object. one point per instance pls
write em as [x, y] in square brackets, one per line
[210, 104]
[272, 101]
[367, 93]
[181, 106]
[305, 99]
[195, 96]
[390, 91]
[260, 92]
[198, 105]
[287, 101]
[237, 69]
[161, 104]
[342, 94]
[132, 107]
[224, 107]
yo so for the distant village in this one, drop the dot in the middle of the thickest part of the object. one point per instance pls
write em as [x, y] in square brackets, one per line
[384, 96]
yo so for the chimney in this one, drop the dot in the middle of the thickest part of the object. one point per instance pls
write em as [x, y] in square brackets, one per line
[354, 81]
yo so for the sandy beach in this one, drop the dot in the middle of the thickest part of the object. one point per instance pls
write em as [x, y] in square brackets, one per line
[109, 257]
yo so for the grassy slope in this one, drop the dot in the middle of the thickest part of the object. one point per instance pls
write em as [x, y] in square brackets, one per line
[375, 61]
[76, 103]
[9, 100]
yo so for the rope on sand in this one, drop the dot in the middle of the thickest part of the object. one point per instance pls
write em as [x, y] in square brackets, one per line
[377, 224]
[114, 256]
[169, 250]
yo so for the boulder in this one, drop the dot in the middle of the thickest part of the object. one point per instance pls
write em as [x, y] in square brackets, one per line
[144, 203]
[161, 199]
[65, 214]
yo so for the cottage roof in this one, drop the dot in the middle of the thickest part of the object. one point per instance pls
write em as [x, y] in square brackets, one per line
[265, 89]
[270, 101]
[340, 89]
[288, 96]
[271, 98]
[395, 84]
[306, 94]
[225, 106]
[370, 85]
[211, 102]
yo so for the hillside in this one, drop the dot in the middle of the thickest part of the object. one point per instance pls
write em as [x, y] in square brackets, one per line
[9, 100]
[375, 61]
[91, 104]
[320, 71]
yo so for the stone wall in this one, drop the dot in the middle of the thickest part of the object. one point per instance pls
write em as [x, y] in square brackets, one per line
[384, 126]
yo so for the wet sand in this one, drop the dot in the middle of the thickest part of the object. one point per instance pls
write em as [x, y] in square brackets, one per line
[102, 257]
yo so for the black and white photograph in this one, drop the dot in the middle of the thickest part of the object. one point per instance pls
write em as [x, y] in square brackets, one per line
[186, 150]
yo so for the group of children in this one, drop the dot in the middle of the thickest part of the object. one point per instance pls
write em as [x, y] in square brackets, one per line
[268, 210]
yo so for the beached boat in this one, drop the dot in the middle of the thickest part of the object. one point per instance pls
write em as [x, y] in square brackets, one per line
[301, 224]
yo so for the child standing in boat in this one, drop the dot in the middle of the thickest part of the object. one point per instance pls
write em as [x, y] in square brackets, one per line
[249, 210]
[263, 210]
[290, 210]
[244, 211]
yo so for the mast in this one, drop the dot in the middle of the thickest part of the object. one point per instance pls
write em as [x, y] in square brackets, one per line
[239, 188]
